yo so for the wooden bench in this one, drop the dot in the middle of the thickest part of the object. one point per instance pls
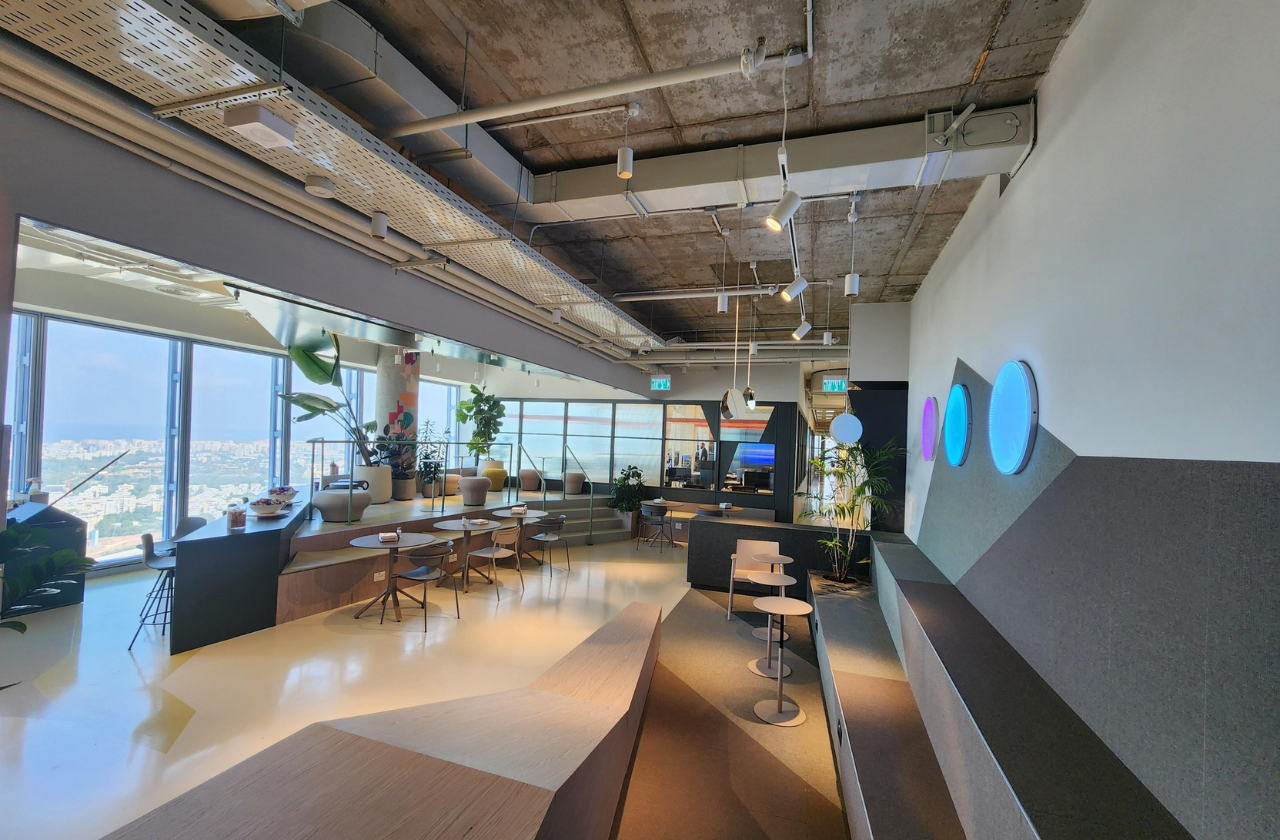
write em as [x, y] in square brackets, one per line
[546, 761]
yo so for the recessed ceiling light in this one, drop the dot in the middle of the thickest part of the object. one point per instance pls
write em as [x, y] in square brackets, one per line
[319, 186]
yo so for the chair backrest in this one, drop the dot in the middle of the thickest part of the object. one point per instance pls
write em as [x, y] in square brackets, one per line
[552, 526]
[507, 536]
[188, 524]
[431, 555]
[655, 511]
[149, 555]
[747, 548]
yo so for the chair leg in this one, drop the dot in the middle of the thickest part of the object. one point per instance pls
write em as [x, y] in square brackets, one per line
[457, 609]
[493, 578]
[567, 565]
[519, 571]
[155, 585]
[733, 570]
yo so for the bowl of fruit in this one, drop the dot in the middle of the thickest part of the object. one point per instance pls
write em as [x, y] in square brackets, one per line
[284, 493]
[267, 507]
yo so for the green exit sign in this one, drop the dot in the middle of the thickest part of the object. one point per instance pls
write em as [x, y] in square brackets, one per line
[835, 386]
[660, 383]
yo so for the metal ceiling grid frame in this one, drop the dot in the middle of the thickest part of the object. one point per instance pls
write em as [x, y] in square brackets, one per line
[165, 52]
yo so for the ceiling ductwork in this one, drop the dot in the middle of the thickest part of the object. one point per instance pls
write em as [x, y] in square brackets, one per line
[129, 37]
[253, 9]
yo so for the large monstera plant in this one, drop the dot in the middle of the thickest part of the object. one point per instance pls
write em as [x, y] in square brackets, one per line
[485, 411]
[38, 574]
[321, 371]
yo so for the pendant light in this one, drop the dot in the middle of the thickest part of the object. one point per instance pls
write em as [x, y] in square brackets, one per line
[626, 156]
[789, 203]
[734, 403]
[851, 279]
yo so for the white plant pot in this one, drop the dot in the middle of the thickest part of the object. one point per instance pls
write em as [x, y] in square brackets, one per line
[490, 465]
[379, 479]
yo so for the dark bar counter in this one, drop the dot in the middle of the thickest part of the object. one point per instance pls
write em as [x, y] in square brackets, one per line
[225, 582]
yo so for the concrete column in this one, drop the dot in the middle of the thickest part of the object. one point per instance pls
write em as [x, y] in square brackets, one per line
[397, 395]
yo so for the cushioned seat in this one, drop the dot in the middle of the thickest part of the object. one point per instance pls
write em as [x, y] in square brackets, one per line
[475, 489]
[573, 481]
[497, 477]
[529, 480]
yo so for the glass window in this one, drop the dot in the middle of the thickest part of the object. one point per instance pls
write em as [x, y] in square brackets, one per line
[751, 469]
[593, 455]
[323, 427]
[590, 419]
[691, 451]
[639, 420]
[645, 454]
[748, 429]
[17, 399]
[106, 392]
[230, 428]
[509, 434]
[687, 422]
[544, 418]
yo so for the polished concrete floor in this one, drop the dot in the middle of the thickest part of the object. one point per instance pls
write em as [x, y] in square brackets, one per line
[92, 735]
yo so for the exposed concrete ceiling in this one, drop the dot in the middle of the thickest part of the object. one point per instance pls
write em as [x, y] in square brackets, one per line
[876, 62]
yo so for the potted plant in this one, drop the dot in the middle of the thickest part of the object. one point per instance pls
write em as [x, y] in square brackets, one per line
[42, 571]
[485, 412]
[626, 492]
[430, 459]
[324, 372]
[393, 450]
[859, 482]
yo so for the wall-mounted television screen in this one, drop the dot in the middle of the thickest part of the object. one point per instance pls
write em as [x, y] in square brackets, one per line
[755, 454]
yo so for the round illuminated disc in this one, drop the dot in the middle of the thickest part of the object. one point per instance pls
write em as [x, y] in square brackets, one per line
[956, 425]
[929, 429]
[846, 428]
[1012, 420]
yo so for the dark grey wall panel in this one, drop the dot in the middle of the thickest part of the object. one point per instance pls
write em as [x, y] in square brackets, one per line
[1145, 593]
[970, 506]
[882, 408]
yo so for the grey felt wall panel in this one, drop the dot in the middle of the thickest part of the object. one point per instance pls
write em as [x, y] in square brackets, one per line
[1145, 593]
[970, 506]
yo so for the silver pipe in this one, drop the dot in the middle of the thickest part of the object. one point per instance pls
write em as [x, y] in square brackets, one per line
[608, 109]
[686, 294]
[621, 87]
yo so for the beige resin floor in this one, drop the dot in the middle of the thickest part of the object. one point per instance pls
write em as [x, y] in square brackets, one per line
[92, 736]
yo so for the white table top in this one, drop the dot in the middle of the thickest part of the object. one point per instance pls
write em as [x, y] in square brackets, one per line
[783, 606]
[468, 525]
[662, 504]
[772, 559]
[529, 514]
[405, 541]
[771, 579]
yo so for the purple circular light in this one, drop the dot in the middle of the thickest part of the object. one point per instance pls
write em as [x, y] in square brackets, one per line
[929, 429]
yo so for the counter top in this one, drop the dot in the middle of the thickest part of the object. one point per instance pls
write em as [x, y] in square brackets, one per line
[253, 525]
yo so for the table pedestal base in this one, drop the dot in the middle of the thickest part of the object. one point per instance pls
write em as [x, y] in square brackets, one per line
[764, 668]
[762, 633]
[791, 714]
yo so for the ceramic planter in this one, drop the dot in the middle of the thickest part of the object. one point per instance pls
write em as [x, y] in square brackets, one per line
[404, 489]
[379, 479]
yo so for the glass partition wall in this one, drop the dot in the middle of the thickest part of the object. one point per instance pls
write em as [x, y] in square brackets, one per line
[198, 425]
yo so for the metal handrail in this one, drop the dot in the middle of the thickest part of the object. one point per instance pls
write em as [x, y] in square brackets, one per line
[591, 499]
[542, 479]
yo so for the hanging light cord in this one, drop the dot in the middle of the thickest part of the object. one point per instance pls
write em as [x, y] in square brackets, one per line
[737, 302]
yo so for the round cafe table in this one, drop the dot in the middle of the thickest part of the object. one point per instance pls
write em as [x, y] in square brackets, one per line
[527, 518]
[776, 561]
[391, 591]
[468, 527]
[777, 711]
[765, 667]
[716, 510]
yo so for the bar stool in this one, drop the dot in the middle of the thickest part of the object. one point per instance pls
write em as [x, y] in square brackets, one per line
[159, 603]
[781, 712]
[548, 537]
[433, 559]
[765, 667]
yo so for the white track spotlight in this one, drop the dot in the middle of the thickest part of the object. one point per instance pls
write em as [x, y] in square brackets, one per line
[851, 285]
[378, 225]
[319, 186]
[783, 211]
[722, 304]
[794, 291]
[802, 330]
[626, 162]
[557, 316]
[753, 348]
[828, 339]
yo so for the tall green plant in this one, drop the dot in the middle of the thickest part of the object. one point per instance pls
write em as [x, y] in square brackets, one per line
[22, 542]
[859, 478]
[321, 371]
[430, 454]
[626, 492]
[485, 411]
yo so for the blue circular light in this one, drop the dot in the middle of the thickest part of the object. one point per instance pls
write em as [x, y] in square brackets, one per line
[1011, 423]
[956, 424]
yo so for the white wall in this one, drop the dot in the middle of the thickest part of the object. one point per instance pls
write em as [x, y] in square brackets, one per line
[1133, 261]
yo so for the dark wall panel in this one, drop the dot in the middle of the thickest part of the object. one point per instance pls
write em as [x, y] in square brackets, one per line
[1145, 592]
[883, 412]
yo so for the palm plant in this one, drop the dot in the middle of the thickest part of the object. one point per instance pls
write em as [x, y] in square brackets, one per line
[859, 478]
[321, 371]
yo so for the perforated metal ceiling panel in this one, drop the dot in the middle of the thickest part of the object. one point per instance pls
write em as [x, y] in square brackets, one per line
[166, 52]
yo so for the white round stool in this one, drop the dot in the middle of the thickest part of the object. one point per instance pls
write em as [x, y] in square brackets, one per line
[765, 667]
[780, 712]
[776, 562]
